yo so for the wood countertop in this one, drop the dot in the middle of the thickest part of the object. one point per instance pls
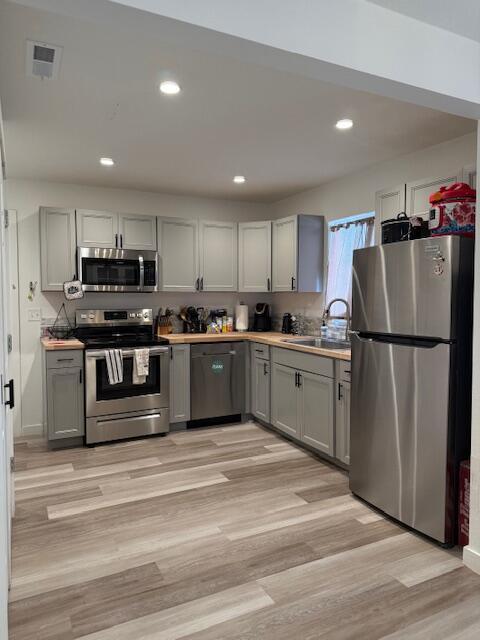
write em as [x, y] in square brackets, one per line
[273, 339]
[50, 344]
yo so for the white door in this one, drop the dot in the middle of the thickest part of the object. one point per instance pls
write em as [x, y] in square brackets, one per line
[388, 204]
[255, 256]
[97, 229]
[6, 440]
[418, 192]
[178, 254]
[284, 254]
[138, 232]
[218, 256]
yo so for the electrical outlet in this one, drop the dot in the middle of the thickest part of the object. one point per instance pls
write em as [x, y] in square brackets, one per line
[34, 315]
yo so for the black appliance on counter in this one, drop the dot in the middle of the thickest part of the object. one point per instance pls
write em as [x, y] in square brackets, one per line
[287, 323]
[261, 317]
[404, 228]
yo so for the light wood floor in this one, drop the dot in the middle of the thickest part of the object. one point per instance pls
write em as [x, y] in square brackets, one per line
[223, 533]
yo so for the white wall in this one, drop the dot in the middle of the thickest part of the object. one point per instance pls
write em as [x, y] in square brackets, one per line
[356, 194]
[26, 196]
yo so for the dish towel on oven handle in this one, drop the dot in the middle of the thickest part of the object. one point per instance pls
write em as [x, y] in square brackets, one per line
[114, 360]
[140, 366]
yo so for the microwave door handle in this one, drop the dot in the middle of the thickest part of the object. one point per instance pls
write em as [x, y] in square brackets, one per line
[142, 272]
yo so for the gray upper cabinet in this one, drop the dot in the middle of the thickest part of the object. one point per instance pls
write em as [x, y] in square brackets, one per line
[298, 253]
[284, 399]
[97, 229]
[110, 230]
[255, 256]
[179, 383]
[284, 254]
[138, 232]
[418, 192]
[178, 254]
[316, 407]
[218, 256]
[57, 247]
[388, 204]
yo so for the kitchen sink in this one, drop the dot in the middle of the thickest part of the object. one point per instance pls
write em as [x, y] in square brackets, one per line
[319, 343]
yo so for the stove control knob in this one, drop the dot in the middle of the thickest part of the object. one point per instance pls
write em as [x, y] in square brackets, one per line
[132, 315]
[146, 315]
[83, 316]
[139, 315]
[92, 316]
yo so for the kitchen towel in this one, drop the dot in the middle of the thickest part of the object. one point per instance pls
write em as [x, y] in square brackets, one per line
[114, 360]
[140, 366]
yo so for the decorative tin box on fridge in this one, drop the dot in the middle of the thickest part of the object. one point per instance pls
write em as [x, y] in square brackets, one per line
[453, 211]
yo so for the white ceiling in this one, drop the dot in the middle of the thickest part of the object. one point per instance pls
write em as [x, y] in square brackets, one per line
[231, 118]
[459, 16]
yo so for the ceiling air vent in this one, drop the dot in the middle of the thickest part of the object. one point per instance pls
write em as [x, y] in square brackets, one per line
[43, 60]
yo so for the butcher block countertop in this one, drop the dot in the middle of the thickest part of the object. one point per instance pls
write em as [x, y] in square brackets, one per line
[271, 338]
[50, 344]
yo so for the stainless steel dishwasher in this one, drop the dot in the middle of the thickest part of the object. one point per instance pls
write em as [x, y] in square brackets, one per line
[217, 377]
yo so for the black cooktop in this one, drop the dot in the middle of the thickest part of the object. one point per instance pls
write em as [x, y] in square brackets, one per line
[120, 338]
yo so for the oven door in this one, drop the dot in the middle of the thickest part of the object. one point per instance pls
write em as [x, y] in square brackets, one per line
[117, 269]
[103, 398]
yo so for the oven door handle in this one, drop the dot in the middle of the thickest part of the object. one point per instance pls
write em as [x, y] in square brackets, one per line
[142, 272]
[152, 351]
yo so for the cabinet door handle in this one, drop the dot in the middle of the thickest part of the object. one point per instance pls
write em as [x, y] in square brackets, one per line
[64, 359]
[265, 372]
[299, 379]
[296, 378]
[197, 284]
[268, 284]
[201, 283]
[340, 394]
[116, 240]
[293, 283]
[11, 394]
[121, 241]
[81, 376]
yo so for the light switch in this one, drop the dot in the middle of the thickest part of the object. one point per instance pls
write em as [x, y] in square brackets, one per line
[34, 315]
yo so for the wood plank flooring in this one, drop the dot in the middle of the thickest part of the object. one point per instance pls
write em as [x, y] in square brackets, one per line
[220, 533]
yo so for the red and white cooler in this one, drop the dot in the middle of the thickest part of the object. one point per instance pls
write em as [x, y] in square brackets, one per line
[452, 210]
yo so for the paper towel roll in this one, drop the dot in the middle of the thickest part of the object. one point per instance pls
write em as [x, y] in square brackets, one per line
[241, 317]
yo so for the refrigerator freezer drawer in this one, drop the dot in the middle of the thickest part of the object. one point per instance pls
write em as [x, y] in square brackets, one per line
[400, 432]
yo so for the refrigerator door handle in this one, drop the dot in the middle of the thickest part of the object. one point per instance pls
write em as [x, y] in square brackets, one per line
[356, 334]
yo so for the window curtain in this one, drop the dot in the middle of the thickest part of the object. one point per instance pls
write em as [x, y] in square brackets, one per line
[343, 239]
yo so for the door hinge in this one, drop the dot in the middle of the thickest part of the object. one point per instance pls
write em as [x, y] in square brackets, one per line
[6, 219]
[9, 343]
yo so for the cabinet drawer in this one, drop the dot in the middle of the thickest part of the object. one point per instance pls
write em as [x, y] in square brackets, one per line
[260, 350]
[345, 370]
[67, 358]
[304, 361]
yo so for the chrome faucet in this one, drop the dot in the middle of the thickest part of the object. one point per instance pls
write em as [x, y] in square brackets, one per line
[326, 314]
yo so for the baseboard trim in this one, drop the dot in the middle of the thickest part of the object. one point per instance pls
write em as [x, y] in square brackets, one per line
[32, 430]
[471, 558]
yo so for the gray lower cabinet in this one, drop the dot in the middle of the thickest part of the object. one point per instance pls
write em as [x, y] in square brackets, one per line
[342, 413]
[260, 387]
[285, 414]
[179, 383]
[316, 406]
[65, 413]
[302, 401]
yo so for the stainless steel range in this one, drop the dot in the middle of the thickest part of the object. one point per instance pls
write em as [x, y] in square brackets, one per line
[125, 409]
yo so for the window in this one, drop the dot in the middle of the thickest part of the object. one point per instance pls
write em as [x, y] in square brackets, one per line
[344, 236]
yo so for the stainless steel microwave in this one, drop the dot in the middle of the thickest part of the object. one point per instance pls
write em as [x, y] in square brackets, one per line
[118, 270]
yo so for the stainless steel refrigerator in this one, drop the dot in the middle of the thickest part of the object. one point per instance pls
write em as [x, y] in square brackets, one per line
[411, 379]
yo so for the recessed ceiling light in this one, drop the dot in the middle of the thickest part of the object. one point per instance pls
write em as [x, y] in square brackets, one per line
[239, 179]
[107, 162]
[170, 87]
[346, 123]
